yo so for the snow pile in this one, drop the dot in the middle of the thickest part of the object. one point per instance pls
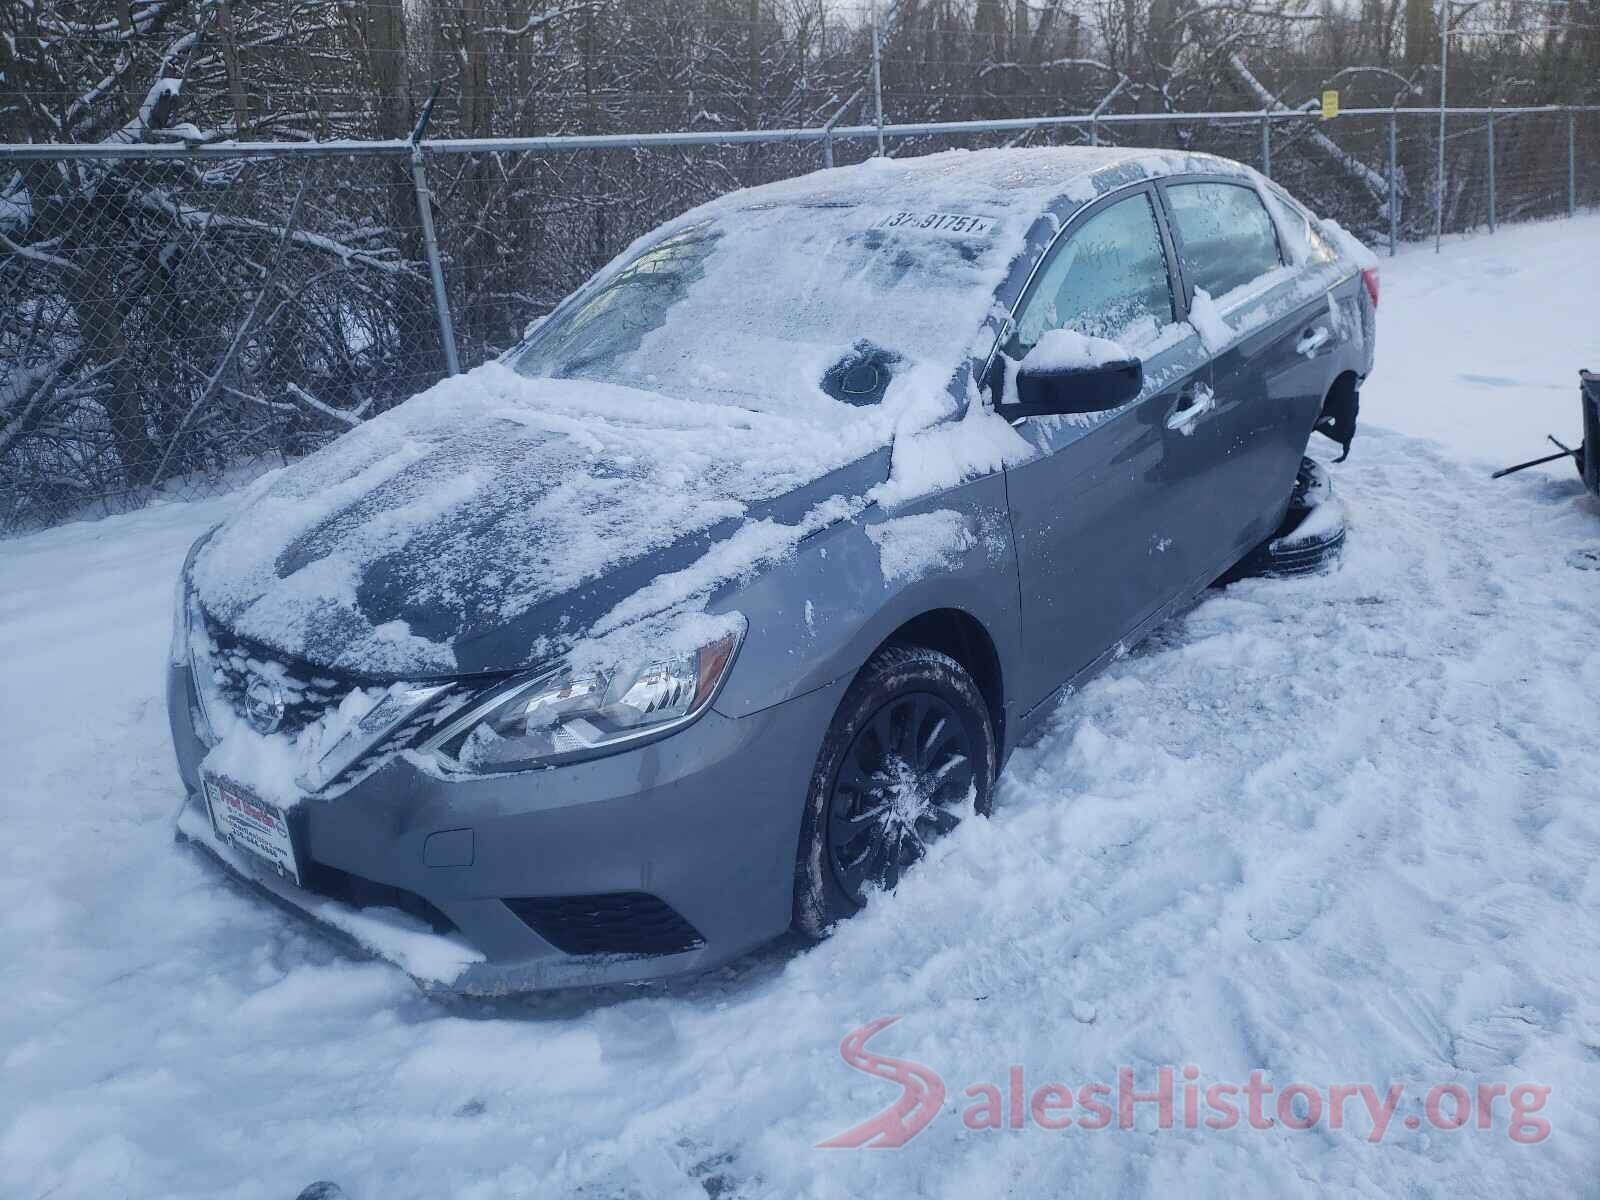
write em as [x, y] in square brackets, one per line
[394, 935]
[935, 459]
[1069, 350]
[1208, 321]
[1349, 245]
[666, 617]
[913, 546]
[344, 556]
[1327, 517]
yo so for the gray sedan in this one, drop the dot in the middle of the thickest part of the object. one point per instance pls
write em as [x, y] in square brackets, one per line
[700, 613]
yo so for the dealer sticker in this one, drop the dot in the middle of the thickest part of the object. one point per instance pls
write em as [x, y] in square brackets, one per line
[936, 222]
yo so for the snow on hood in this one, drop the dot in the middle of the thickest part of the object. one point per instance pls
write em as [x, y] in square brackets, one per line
[484, 497]
[650, 441]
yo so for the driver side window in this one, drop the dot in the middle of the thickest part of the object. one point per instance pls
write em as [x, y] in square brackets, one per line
[1109, 279]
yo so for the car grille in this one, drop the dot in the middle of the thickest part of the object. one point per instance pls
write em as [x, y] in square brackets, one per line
[615, 923]
[236, 661]
[225, 668]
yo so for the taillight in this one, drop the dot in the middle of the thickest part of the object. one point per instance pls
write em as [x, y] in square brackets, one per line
[1370, 278]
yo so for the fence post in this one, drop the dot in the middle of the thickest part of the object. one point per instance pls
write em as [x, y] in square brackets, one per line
[1266, 146]
[1491, 172]
[447, 332]
[1094, 131]
[1572, 163]
[1394, 186]
[1444, 80]
[827, 148]
[877, 77]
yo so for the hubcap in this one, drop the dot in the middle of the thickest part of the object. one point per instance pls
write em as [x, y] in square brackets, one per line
[909, 768]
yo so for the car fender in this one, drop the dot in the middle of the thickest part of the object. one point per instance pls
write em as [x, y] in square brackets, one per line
[818, 615]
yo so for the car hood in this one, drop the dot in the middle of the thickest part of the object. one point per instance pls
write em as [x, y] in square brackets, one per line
[488, 523]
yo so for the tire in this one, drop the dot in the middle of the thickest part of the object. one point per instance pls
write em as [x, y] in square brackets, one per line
[878, 794]
[1309, 539]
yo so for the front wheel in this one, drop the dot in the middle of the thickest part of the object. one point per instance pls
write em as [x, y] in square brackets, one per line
[910, 751]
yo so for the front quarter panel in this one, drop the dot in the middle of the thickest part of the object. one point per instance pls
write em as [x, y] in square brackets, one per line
[818, 615]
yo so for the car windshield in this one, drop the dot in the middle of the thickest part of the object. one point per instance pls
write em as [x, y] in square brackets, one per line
[784, 308]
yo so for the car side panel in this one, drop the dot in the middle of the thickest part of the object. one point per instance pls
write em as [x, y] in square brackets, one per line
[1269, 393]
[1293, 332]
[1107, 520]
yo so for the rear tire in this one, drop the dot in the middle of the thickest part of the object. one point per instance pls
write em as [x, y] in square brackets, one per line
[1309, 539]
[910, 747]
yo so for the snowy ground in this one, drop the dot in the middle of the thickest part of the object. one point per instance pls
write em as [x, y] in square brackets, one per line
[1340, 830]
[1479, 346]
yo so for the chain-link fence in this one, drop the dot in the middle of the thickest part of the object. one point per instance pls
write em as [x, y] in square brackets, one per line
[173, 318]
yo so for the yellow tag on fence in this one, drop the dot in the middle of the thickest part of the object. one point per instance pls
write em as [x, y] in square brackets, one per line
[1330, 104]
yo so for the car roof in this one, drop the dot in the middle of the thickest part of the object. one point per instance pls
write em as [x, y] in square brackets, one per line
[1024, 182]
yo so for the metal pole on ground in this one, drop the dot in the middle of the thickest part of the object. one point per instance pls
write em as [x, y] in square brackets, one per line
[1266, 146]
[1491, 172]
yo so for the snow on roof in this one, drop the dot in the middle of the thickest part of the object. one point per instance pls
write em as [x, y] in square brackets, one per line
[1022, 181]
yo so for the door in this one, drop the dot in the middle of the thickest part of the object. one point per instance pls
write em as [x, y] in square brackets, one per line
[1273, 343]
[1106, 517]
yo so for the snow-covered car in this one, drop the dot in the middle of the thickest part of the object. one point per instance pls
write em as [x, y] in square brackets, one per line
[698, 613]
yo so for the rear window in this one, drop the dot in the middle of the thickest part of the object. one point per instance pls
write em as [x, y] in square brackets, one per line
[1225, 237]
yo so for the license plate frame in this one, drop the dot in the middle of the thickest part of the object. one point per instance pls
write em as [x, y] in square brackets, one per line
[257, 828]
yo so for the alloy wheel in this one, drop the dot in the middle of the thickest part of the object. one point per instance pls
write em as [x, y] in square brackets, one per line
[910, 767]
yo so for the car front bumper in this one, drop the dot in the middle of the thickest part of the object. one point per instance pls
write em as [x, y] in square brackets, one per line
[696, 832]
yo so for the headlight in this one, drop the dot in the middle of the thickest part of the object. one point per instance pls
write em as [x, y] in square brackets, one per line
[182, 608]
[179, 653]
[183, 652]
[560, 715]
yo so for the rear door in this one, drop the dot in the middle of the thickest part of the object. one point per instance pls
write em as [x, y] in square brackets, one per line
[1273, 340]
[1108, 516]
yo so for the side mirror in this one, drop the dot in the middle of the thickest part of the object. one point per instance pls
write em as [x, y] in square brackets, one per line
[1070, 373]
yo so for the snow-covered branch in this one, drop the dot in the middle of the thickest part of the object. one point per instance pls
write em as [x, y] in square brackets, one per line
[350, 417]
[1373, 181]
[199, 218]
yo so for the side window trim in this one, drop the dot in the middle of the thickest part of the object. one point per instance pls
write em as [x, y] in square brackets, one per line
[1187, 284]
[1169, 243]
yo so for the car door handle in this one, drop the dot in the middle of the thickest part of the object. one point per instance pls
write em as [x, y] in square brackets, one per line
[1312, 340]
[1197, 402]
